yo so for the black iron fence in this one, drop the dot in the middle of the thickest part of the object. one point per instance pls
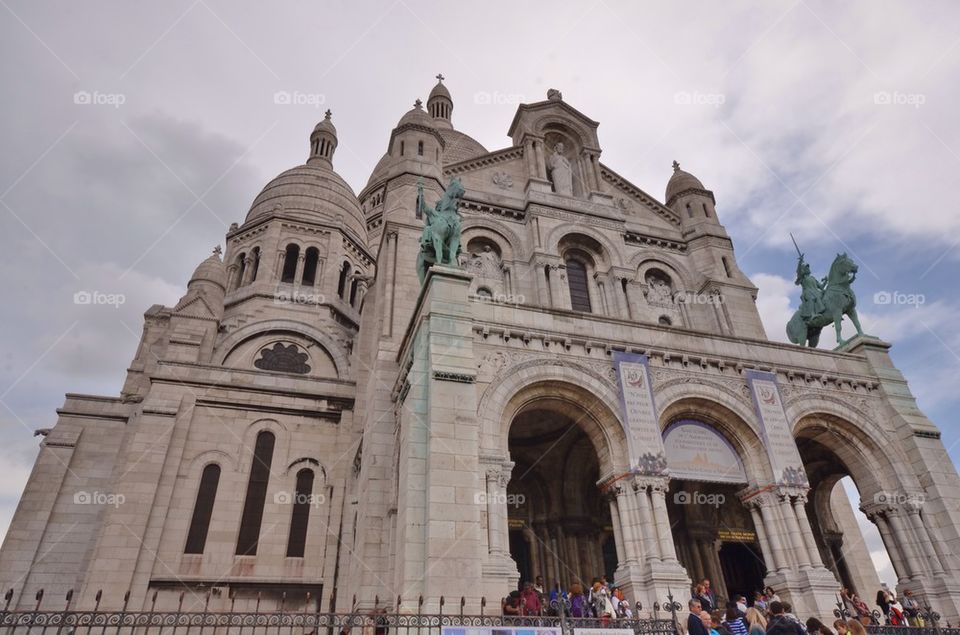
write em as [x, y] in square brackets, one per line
[69, 620]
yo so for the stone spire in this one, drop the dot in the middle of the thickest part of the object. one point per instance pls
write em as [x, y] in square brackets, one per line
[323, 142]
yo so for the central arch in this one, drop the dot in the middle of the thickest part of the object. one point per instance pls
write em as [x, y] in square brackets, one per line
[563, 439]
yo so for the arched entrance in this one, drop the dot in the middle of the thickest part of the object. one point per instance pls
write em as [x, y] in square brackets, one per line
[827, 455]
[559, 522]
[714, 533]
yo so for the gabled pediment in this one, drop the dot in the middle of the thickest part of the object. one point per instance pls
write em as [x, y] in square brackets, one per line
[538, 118]
[195, 306]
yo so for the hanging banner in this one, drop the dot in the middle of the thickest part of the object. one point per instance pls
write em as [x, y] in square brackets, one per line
[775, 430]
[697, 452]
[644, 442]
[502, 630]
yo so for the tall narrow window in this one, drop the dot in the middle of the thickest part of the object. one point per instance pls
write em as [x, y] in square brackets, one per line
[342, 284]
[252, 514]
[203, 509]
[689, 211]
[401, 147]
[706, 210]
[420, 148]
[256, 264]
[353, 292]
[290, 263]
[312, 256]
[241, 269]
[579, 292]
[297, 541]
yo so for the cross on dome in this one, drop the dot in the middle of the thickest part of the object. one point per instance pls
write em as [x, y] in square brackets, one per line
[440, 77]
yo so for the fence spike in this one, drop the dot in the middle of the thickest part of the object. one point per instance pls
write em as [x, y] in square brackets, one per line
[398, 603]
[441, 601]
[376, 601]
[39, 597]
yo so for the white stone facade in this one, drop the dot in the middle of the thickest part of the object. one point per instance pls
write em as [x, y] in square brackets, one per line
[401, 402]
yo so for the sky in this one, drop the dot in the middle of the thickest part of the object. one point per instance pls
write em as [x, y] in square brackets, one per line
[135, 133]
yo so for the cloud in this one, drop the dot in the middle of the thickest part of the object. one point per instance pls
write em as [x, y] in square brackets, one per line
[774, 298]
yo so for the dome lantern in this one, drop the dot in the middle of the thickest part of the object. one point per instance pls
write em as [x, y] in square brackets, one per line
[323, 142]
[440, 104]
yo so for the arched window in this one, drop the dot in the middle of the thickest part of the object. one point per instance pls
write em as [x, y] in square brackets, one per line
[706, 210]
[252, 514]
[689, 211]
[256, 263]
[203, 509]
[300, 517]
[484, 293]
[241, 269]
[342, 284]
[577, 280]
[290, 263]
[353, 292]
[311, 258]
[420, 148]
[663, 320]
[402, 144]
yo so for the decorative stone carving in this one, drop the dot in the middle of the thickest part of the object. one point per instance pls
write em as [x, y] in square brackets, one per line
[284, 358]
[659, 291]
[485, 263]
[503, 180]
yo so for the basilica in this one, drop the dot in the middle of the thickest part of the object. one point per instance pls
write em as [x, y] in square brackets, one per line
[585, 390]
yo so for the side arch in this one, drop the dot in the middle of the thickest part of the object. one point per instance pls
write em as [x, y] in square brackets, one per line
[328, 344]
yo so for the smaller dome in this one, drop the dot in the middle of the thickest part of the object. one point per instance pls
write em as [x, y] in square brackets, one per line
[416, 116]
[211, 270]
[681, 182]
[439, 90]
[326, 125]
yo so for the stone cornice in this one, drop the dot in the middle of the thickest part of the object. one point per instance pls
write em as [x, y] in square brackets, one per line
[486, 160]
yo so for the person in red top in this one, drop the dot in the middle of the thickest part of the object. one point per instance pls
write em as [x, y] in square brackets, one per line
[530, 600]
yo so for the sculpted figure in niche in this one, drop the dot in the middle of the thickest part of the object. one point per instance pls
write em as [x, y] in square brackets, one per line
[561, 174]
[658, 290]
[486, 263]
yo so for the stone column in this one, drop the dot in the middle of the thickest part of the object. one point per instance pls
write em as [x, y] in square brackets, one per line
[925, 544]
[813, 552]
[768, 557]
[658, 493]
[530, 157]
[626, 528]
[494, 503]
[247, 270]
[543, 287]
[541, 161]
[793, 529]
[902, 538]
[617, 534]
[651, 546]
[900, 566]
[781, 563]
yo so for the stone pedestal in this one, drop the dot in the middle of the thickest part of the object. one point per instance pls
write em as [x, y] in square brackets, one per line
[441, 546]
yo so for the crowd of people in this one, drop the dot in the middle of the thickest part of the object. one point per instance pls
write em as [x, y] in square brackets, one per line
[766, 614]
[600, 600]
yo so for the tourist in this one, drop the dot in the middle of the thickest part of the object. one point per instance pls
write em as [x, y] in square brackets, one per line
[707, 620]
[771, 595]
[700, 593]
[780, 624]
[883, 601]
[734, 622]
[716, 624]
[695, 625]
[855, 627]
[816, 627]
[911, 609]
[788, 613]
[710, 594]
[756, 622]
[511, 603]
[578, 603]
[529, 600]
[742, 605]
[841, 627]
[557, 597]
[861, 608]
[760, 602]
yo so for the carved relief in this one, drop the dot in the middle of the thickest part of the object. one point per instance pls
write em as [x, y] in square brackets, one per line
[503, 180]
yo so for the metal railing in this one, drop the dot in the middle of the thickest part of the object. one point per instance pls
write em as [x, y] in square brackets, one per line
[380, 620]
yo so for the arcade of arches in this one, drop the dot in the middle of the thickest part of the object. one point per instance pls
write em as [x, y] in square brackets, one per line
[571, 517]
